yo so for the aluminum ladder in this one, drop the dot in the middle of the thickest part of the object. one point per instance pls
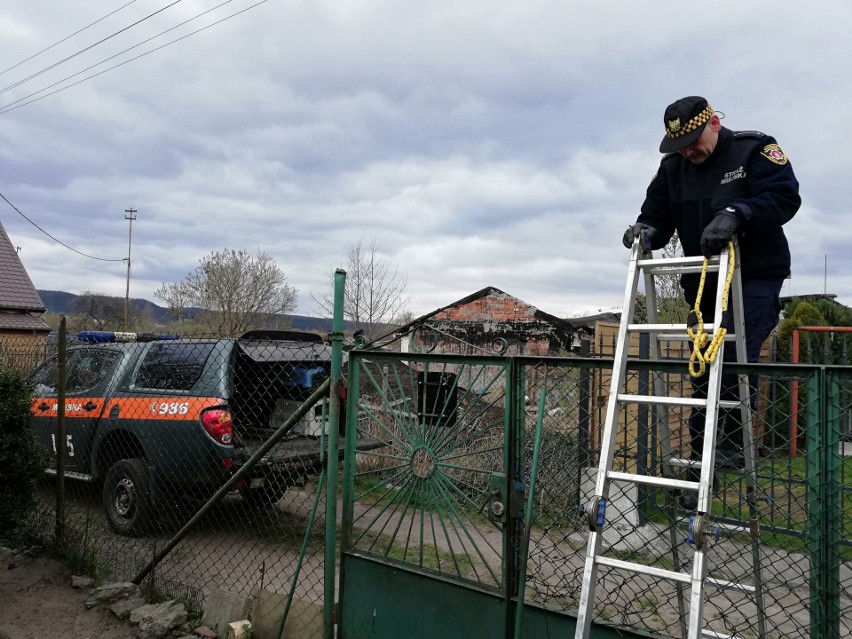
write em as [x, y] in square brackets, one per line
[643, 265]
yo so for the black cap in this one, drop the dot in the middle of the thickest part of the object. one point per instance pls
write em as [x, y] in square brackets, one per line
[684, 121]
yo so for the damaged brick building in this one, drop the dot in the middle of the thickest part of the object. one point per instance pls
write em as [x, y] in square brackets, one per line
[491, 321]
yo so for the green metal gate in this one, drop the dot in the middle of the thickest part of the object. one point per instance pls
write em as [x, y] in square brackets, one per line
[427, 517]
[432, 537]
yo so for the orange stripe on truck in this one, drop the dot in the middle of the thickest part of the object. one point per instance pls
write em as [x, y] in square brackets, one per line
[175, 408]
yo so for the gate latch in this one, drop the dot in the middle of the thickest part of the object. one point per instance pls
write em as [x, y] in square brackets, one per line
[495, 503]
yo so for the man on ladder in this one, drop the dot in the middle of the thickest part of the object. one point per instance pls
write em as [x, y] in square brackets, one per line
[714, 184]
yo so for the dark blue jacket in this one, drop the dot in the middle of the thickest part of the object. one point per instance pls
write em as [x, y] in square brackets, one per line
[748, 171]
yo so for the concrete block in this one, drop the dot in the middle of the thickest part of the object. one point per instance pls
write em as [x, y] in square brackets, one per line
[221, 607]
[303, 620]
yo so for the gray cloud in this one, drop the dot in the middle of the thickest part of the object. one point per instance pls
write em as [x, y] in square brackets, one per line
[480, 143]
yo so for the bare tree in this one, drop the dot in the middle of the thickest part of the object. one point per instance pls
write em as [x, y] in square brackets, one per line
[374, 293]
[234, 291]
[96, 310]
[176, 295]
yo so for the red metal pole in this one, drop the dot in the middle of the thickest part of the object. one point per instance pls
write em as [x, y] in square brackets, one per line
[794, 397]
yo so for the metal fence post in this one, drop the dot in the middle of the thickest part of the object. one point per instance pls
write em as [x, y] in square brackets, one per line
[831, 403]
[330, 574]
[823, 511]
[59, 444]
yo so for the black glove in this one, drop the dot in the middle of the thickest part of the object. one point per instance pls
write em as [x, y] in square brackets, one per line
[633, 231]
[719, 232]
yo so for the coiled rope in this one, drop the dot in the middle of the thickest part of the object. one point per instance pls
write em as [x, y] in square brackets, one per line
[698, 360]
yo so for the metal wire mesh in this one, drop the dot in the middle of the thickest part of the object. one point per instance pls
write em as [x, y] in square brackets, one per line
[154, 429]
[435, 437]
[651, 527]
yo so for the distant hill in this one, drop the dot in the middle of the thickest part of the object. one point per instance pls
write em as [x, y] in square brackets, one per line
[61, 302]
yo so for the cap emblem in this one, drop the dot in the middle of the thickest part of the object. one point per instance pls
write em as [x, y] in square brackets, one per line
[674, 129]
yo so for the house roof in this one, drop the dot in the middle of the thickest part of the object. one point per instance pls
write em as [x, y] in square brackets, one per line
[16, 288]
[19, 321]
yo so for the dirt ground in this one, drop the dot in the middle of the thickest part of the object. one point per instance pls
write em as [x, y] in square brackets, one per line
[37, 601]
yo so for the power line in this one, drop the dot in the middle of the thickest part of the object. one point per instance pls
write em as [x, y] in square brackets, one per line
[9, 107]
[91, 46]
[35, 55]
[102, 259]
[6, 107]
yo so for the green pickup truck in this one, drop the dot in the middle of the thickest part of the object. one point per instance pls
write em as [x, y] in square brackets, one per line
[163, 421]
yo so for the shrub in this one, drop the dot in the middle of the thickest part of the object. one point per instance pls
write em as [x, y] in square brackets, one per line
[20, 458]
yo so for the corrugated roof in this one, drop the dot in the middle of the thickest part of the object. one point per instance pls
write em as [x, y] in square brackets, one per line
[16, 288]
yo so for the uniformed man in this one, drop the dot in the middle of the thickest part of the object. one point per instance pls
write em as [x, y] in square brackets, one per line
[713, 184]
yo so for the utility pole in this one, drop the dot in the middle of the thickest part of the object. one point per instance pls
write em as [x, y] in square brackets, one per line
[129, 215]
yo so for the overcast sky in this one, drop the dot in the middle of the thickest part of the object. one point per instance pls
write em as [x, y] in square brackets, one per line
[478, 143]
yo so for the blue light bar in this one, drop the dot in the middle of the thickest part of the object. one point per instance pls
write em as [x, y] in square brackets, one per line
[120, 336]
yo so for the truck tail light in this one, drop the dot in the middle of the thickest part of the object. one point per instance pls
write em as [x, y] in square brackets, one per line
[217, 422]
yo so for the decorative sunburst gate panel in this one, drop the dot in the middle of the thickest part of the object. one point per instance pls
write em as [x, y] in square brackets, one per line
[436, 498]
[432, 496]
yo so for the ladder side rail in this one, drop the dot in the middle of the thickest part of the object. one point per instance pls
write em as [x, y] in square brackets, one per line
[708, 457]
[619, 371]
[747, 420]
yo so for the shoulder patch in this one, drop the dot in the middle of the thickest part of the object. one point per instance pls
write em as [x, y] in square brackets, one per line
[773, 153]
[749, 134]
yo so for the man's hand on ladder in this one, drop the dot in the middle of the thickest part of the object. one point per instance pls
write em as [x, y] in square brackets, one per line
[648, 234]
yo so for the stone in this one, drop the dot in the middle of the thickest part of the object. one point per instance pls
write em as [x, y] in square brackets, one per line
[108, 594]
[124, 607]
[79, 581]
[157, 620]
[240, 629]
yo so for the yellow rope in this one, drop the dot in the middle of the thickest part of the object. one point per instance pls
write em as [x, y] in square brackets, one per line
[698, 360]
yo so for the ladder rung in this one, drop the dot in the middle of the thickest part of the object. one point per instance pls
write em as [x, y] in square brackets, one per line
[730, 585]
[653, 480]
[737, 528]
[718, 635]
[677, 262]
[681, 270]
[656, 328]
[730, 403]
[684, 463]
[645, 570]
[665, 401]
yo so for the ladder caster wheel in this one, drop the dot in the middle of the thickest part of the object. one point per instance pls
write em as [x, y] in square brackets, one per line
[717, 532]
[595, 514]
[697, 531]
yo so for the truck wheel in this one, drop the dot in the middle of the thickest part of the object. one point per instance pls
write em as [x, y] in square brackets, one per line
[270, 493]
[126, 499]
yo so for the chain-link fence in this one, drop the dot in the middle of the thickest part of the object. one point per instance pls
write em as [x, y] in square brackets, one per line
[446, 484]
[442, 458]
[153, 428]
